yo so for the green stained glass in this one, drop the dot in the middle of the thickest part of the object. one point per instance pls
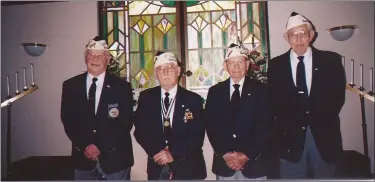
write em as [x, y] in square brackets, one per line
[148, 38]
[171, 39]
[135, 30]
[158, 39]
[134, 40]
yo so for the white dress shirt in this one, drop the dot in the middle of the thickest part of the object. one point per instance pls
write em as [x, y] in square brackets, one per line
[232, 88]
[99, 86]
[307, 60]
[172, 95]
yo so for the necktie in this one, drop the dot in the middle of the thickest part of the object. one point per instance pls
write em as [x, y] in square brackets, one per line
[301, 77]
[92, 94]
[235, 100]
[166, 101]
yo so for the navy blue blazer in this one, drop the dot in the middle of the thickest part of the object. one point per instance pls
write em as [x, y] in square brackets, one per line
[110, 134]
[187, 137]
[321, 114]
[249, 134]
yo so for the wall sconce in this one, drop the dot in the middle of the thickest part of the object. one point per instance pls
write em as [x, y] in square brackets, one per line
[34, 49]
[342, 33]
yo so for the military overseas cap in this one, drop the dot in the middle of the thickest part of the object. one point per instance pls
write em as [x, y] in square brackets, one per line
[97, 44]
[295, 20]
[236, 50]
[164, 58]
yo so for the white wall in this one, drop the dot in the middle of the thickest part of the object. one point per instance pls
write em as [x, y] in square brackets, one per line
[67, 26]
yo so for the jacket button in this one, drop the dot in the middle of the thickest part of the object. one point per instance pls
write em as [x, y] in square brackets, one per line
[303, 128]
[307, 112]
[234, 136]
[94, 131]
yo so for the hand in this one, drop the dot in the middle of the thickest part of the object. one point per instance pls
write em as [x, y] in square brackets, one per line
[235, 160]
[92, 152]
[163, 157]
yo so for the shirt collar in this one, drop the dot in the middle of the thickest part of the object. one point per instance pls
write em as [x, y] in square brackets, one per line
[172, 92]
[307, 55]
[240, 82]
[100, 77]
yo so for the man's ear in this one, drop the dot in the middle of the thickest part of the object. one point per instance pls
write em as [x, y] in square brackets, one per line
[225, 66]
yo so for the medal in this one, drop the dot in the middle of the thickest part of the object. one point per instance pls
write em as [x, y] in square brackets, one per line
[166, 112]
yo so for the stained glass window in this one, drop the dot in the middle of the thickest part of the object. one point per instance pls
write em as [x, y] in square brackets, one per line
[136, 30]
[214, 25]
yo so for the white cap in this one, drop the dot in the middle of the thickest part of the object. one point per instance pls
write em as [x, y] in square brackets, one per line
[167, 57]
[236, 51]
[96, 44]
[296, 19]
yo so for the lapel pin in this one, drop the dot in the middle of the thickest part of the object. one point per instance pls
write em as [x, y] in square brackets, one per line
[316, 69]
[108, 86]
[183, 106]
[248, 94]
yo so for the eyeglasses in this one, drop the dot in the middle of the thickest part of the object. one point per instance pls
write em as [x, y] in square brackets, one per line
[298, 34]
[95, 56]
[240, 63]
[169, 68]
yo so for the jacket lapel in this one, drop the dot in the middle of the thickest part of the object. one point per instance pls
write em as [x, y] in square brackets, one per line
[104, 94]
[315, 70]
[178, 112]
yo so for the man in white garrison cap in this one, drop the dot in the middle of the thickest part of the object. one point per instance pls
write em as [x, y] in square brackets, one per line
[99, 131]
[307, 92]
[238, 121]
[169, 125]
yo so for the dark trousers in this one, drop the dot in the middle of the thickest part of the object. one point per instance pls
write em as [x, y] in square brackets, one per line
[311, 164]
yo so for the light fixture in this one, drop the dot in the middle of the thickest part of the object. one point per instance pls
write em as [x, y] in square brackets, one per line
[34, 49]
[342, 33]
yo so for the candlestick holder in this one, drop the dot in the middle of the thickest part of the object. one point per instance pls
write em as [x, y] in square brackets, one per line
[371, 93]
[361, 89]
[352, 85]
[359, 92]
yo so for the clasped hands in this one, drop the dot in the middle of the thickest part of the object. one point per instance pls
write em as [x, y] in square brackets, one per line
[163, 157]
[92, 152]
[235, 160]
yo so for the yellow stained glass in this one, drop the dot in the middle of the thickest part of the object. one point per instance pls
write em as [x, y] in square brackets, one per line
[164, 26]
[110, 38]
[165, 10]
[137, 7]
[109, 21]
[141, 27]
[121, 21]
[195, 8]
[227, 5]
[210, 6]
[256, 13]
[158, 39]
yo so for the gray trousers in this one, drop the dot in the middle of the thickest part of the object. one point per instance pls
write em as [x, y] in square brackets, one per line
[98, 174]
[239, 176]
[311, 164]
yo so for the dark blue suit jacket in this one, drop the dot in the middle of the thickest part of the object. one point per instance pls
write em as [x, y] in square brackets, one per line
[187, 138]
[251, 127]
[110, 135]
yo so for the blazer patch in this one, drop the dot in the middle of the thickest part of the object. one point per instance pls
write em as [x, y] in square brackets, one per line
[113, 111]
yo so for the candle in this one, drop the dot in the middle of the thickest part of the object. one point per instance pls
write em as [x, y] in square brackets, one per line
[361, 75]
[24, 79]
[32, 74]
[371, 81]
[343, 61]
[8, 86]
[17, 88]
[352, 72]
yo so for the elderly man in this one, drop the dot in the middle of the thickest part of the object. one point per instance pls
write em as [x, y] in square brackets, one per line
[307, 89]
[238, 121]
[99, 131]
[169, 125]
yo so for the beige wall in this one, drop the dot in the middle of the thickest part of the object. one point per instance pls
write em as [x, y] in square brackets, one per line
[66, 27]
